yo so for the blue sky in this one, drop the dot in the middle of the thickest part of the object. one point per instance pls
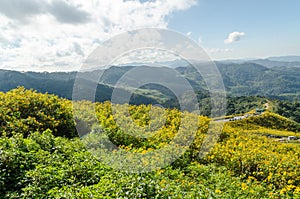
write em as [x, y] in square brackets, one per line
[55, 35]
[271, 27]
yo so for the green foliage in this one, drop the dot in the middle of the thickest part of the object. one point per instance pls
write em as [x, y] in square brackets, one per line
[254, 79]
[244, 104]
[260, 160]
[268, 120]
[30, 167]
[26, 111]
[243, 79]
[55, 167]
[38, 160]
[289, 109]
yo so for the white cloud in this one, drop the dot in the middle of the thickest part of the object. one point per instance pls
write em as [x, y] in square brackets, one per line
[219, 53]
[188, 34]
[218, 50]
[59, 34]
[234, 37]
[67, 13]
[146, 56]
[200, 40]
[22, 10]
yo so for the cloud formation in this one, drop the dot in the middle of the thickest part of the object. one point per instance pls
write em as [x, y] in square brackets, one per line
[66, 13]
[212, 51]
[22, 10]
[44, 35]
[234, 37]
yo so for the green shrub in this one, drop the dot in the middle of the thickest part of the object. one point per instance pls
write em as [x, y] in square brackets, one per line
[26, 111]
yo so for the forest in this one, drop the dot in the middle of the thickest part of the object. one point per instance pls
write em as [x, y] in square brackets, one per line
[274, 80]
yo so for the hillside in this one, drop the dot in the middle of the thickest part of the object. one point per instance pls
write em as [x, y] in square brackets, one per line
[45, 159]
[268, 120]
[253, 79]
[240, 79]
[62, 84]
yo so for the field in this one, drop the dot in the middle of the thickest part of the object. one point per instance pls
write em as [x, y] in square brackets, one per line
[41, 155]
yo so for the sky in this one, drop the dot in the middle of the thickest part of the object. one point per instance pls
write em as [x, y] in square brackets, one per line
[58, 35]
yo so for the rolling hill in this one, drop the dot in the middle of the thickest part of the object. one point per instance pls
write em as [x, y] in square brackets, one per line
[241, 80]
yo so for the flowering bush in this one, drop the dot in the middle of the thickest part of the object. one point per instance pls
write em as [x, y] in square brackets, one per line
[37, 160]
[26, 111]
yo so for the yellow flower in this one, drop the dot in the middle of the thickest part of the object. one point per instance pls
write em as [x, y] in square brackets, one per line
[270, 193]
[218, 191]
[270, 176]
[244, 186]
[284, 173]
[290, 187]
[282, 191]
[144, 152]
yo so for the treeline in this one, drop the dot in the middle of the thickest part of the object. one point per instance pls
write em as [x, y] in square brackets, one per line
[289, 109]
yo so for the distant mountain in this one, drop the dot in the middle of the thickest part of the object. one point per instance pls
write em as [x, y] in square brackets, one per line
[62, 83]
[240, 79]
[171, 63]
[287, 61]
[248, 79]
[234, 61]
[270, 63]
[255, 79]
[285, 58]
